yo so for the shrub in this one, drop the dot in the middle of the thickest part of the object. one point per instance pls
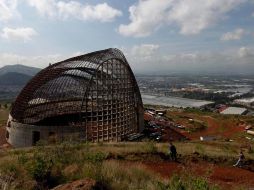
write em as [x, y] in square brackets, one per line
[95, 157]
[91, 170]
[200, 184]
[9, 174]
[176, 183]
[40, 167]
[150, 147]
[22, 158]
[200, 149]
[124, 177]
[187, 181]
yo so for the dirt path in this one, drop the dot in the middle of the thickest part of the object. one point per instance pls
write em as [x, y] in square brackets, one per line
[226, 177]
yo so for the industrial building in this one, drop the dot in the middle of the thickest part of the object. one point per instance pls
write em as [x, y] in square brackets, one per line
[234, 111]
[92, 97]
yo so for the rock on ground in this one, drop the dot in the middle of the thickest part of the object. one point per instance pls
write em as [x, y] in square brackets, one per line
[83, 184]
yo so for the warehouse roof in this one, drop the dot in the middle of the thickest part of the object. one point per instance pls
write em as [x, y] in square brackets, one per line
[234, 110]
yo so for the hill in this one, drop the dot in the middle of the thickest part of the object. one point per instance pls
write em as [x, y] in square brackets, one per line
[116, 166]
[14, 78]
[133, 165]
[31, 71]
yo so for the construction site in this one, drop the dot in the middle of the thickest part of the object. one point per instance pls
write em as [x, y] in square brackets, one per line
[92, 97]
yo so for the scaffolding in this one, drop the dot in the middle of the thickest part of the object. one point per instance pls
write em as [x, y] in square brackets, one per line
[96, 91]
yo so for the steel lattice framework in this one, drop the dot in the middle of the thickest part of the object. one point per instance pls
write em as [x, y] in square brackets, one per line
[97, 91]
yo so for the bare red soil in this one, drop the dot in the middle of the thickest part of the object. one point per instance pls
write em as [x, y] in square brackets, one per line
[219, 126]
[225, 129]
[225, 177]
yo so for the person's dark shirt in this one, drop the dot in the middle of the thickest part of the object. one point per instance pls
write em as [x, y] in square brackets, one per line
[241, 156]
[173, 149]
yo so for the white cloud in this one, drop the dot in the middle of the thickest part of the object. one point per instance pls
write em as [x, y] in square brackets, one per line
[74, 9]
[144, 50]
[149, 59]
[44, 7]
[237, 34]
[40, 61]
[8, 10]
[24, 34]
[34, 61]
[192, 16]
[245, 52]
[159, 61]
[146, 17]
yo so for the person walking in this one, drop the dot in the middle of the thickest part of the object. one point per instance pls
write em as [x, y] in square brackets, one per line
[173, 153]
[240, 160]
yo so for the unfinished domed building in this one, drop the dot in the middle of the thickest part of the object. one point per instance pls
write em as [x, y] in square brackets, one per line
[92, 97]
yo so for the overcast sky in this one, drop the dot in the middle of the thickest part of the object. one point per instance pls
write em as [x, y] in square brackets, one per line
[157, 36]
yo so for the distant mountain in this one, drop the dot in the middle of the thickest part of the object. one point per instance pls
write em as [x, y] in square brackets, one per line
[13, 78]
[22, 69]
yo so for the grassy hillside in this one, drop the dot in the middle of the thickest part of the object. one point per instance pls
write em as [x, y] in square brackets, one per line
[137, 165]
[4, 113]
[113, 166]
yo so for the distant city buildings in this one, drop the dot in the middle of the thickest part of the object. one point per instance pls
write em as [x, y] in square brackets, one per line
[245, 101]
[214, 93]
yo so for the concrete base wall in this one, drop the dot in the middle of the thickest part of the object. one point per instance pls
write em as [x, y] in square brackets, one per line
[21, 135]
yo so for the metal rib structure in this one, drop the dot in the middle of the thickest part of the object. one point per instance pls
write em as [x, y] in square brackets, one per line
[96, 91]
